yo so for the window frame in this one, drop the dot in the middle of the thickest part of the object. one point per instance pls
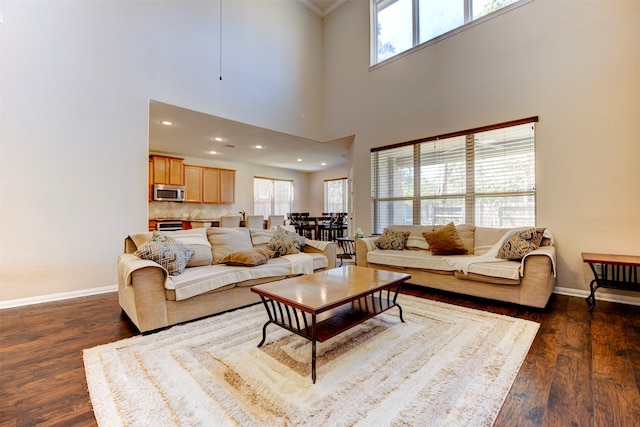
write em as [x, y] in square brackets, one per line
[386, 197]
[345, 193]
[271, 196]
[469, 23]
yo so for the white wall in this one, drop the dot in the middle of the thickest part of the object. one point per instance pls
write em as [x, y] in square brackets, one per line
[77, 77]
[576, 65]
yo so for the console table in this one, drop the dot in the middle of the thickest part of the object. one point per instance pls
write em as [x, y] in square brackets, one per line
[612, 271]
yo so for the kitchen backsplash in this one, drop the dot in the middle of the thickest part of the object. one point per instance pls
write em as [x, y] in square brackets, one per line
[158, 210]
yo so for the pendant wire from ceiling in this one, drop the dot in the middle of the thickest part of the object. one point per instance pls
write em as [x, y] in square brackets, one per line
[220, 39]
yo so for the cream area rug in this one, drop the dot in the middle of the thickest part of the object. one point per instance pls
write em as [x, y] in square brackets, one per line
[446, 366]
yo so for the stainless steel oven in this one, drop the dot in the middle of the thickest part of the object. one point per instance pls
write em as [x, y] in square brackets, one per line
[169, 226]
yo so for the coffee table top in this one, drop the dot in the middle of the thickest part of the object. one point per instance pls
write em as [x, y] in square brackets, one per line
[324, 290]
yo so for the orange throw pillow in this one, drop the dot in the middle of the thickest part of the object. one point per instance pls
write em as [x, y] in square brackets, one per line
[445, 241]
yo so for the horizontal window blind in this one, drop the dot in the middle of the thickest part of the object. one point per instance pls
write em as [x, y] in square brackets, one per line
[484, 176]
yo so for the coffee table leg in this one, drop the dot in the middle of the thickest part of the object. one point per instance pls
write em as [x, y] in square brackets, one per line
[400, 308]
[313, 348]
[264, 333]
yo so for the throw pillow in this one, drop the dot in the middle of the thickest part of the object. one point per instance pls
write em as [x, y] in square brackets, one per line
[445, 241]
[518, 243]
[261, 237]
[249, 257]
[195, 239]
[227, 240]
[395, 240]
[166, 251]
[285, 242]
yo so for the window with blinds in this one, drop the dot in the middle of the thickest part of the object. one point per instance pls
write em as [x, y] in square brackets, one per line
[483, 176]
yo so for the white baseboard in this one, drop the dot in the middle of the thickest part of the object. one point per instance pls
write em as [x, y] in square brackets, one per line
[56, 297]
[600, 295]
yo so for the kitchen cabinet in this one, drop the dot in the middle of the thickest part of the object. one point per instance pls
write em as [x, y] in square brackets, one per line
[209, 185]
[167, 170]
[227, 186]
[193, 184]
[150, 182]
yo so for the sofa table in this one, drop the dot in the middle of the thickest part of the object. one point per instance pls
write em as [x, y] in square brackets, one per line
[613, 272]
[322, 305]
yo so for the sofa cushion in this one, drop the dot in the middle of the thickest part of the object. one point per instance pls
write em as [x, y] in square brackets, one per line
[261, 237]
[166, 251]
[518, 243]
[285, 242]
[227, 240]
[249, 257]
[445, 241]
[409, 259]
[395, 240]
[415, 240]
[196, 239]
[467, 235]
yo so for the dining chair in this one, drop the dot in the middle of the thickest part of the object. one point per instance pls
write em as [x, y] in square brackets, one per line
[230, 221]
[255, 221]
[275, 220]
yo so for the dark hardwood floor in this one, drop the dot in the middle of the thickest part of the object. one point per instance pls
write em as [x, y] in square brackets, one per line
[583, 369]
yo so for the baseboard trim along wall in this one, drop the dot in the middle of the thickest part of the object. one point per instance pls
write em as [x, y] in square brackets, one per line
[600, 296]
[57, 297]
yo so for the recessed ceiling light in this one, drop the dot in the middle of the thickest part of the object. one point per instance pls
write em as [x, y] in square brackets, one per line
[166, 122]
[259, 147]
[217, 138]
[213, 152]
[323, 164]
[299, 160]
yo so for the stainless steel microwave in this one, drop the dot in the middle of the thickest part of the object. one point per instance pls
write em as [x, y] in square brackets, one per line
[168, 193]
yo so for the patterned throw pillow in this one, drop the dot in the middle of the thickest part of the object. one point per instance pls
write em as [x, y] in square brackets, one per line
[249, 257]
[395, 240]
[285, 242]
[445, 241]
[166, 251]
[520, 242]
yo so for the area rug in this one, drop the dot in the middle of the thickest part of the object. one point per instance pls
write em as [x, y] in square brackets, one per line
[446, 366]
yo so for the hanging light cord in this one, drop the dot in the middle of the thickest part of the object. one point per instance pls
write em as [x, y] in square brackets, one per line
[220, 39]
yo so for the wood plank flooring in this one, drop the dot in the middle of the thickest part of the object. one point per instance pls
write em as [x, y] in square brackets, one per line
[583, 369]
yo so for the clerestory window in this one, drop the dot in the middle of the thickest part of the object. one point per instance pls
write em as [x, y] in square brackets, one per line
[483, 176]
[400, 25]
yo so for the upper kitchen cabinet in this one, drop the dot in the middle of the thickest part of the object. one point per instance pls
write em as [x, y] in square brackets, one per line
[227, 186]
[193, 184]
[209, 185]
[167, 170]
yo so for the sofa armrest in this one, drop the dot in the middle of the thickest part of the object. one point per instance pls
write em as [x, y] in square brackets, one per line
[141, 291]
[548, 252]
[328, 249]
[362, 249]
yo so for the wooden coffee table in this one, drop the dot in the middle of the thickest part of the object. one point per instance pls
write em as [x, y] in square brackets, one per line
[321, 305]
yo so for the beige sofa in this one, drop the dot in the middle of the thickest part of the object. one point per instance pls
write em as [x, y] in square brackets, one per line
[529, 281]
[153, 299]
